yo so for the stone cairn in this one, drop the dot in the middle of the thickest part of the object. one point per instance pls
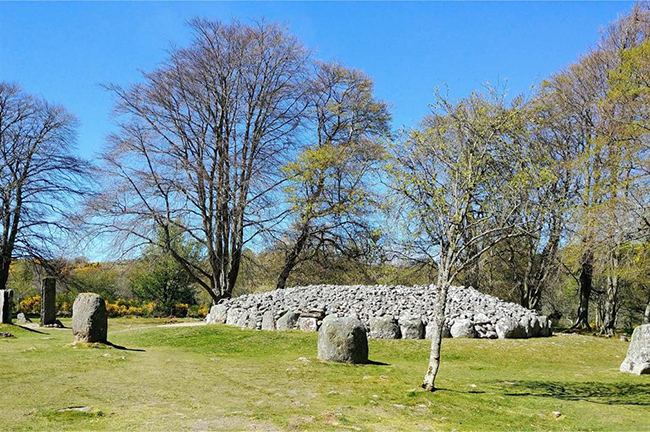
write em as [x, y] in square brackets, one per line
[48, 302]
[6, 305]
[89, 318]
[637, 360]
[388, 312]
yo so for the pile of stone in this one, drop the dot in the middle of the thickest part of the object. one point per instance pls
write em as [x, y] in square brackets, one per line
[389, 312]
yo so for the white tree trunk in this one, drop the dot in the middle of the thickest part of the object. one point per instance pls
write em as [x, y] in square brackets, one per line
[439, 322]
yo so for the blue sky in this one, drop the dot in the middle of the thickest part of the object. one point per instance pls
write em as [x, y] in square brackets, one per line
[63, 51]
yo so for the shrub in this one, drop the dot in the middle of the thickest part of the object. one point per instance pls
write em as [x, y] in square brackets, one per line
[31, 305]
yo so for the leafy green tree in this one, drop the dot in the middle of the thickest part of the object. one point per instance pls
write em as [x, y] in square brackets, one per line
[329, 184]
[160, 278]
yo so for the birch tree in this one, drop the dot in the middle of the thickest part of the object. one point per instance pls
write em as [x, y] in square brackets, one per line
[461, 171]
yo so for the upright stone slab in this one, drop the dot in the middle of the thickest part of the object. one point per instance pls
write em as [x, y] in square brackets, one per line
[637, 360]
[342, 340]
[218, 314]
[463, 329]
[89, 318]
[48, 301]
[268, 321]
[6, 305]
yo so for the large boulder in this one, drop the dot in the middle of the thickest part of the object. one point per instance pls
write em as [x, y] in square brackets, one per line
[385, 327]
[288, 321]
[218, 314]
[463, 329]
[89, 318]
[411, 327]
[268, 321]
[342, 340]
[6, 305]
[510, 329]
[637, 360]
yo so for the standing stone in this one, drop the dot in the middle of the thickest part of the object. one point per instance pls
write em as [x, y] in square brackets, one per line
[342, 340]
[411, 327]
[385, 327]
[218, 314]
[48, 301]
[637, 360]
[6, 305]
[89, 318]
[463, 329]
[242, 321]
[268, 322]
[233, 316]
[288, 321]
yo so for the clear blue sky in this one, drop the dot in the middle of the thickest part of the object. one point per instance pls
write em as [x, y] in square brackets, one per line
[62, 51]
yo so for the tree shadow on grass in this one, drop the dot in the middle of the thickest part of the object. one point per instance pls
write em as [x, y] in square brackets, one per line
[607, 393]
[30, 329]
[123, 348]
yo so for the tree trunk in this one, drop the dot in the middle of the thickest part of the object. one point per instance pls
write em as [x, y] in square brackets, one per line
[611, 297]
[586, 279]
[292, 257]
[646, 315]
[439, 322]
[5, 263]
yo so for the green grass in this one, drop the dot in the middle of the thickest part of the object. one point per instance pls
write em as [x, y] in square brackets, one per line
[224, 378]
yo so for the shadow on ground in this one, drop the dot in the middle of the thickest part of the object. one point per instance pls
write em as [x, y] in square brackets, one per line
[596, 392]
[123, 348]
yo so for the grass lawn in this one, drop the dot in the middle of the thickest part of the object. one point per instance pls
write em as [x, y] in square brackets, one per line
[223, 378]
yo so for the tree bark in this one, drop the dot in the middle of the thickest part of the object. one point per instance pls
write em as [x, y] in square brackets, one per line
[439, 322]
[611, 298]
[292, 258]
[646, 315]
[586, 280]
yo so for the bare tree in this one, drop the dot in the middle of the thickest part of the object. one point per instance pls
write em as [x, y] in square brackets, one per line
[329, 189]
[462, 171]
[201, 144]
[40, 180]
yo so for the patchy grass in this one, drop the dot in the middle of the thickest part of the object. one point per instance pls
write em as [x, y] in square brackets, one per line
[224, 378]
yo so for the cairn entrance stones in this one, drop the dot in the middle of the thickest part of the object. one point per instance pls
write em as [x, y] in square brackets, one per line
[637, 360]
[6, 305]
[268, 321]
[48, 301]
[89, 318]
[411, 327]
[342, 340]
[385, 327]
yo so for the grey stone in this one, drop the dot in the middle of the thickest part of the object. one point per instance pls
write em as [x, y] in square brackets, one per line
[6, 305]
[463, 329]
[411, 327]
[308, 324]
[268, 321]
[232, 317]
[637, 360]
[288, 321]
[22, 318]
[242, 321]
[48, 301]
[510, 329]
[218, 314]
[385, 327]
[342, 340]
[89, 318]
